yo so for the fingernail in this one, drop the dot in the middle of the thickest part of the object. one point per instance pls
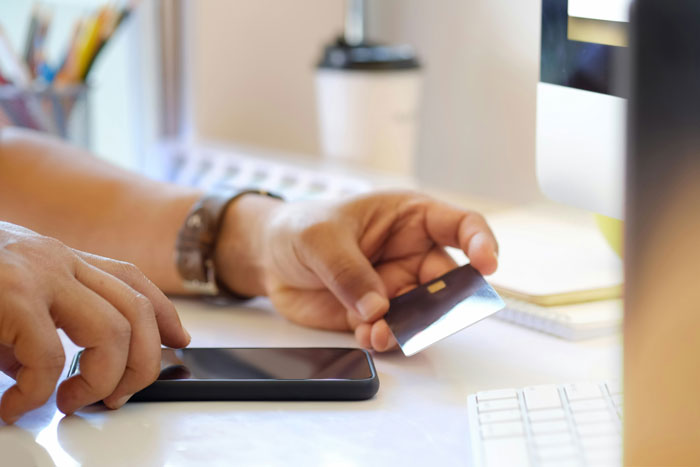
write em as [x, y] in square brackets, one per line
[189, 337]
[121, 401]
[370, 304]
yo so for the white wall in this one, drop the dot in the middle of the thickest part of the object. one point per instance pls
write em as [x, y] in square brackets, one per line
[252, 69]
[252, 81]
[482, 69]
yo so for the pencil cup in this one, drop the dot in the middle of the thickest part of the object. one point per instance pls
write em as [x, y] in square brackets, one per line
[61, 112]
[367, 99]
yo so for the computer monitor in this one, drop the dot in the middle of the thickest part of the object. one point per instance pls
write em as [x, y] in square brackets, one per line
[581, 103]
[583, 141]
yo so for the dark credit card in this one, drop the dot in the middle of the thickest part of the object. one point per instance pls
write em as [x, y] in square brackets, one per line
[440, 308]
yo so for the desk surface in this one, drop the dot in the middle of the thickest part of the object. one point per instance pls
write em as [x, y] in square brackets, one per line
[419, 416]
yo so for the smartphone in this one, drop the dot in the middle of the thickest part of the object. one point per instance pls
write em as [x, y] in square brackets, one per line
[313, 373]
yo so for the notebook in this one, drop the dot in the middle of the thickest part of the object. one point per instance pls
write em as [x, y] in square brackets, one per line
[556, 273]
[573, 322]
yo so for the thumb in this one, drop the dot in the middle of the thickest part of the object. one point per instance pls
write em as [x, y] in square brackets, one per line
[348, 274]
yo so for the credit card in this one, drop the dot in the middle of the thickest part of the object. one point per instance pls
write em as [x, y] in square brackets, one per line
[435, 310]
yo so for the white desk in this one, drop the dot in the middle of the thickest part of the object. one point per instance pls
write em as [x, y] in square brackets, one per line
[417, 418]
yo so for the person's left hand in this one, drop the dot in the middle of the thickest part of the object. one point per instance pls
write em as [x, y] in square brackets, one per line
[335, 265]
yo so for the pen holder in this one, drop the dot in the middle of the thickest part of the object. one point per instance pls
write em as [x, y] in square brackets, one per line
[63, 112]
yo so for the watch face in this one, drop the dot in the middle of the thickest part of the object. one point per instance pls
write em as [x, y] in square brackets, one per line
[200, 221]
[193, 249]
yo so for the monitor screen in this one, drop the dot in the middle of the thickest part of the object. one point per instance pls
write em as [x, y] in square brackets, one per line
[581, 103]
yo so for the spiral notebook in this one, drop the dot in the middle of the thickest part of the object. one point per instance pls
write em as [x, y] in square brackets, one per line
[573, 322]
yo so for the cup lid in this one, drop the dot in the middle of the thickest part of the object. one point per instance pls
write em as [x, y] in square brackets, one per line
[368, 56]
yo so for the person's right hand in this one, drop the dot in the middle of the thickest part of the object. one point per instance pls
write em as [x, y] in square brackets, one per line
[108, 307]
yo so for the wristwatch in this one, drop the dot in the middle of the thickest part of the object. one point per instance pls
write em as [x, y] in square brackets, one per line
[196, 242]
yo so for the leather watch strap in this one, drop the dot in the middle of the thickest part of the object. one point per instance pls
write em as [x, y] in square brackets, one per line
[196, 241]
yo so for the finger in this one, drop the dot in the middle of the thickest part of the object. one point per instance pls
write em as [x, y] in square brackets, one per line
[347, 273]
[93, 323]
[8, 362]
[363, 334]
[436, 263]
[468, 230]
[381, 337]
[314, 308]
[353, 318]
[400, 275]
[37, 348]
[143, 361]
[172, 333]
[482, 253]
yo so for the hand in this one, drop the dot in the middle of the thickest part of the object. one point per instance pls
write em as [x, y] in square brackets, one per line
[108, 307]
[335, 265]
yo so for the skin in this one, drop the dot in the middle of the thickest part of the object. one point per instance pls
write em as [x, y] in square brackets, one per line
[328, 265]
[108, 307]
[335, 265]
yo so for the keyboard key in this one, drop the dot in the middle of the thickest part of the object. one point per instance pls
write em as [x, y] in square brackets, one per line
[597, 429]
[500, 404]
[607, 464]
[605, 457]
[562, 463]
[601, 442]
[614, 387]
[617, 400]
[505, 452]
[541, 397]
[500, 416]
[549, 427]
[496, 394]
[578, 391]
[546, 414]
[587, 405]
[558, 452]
[593, 417]
[553, 439]
[502, 430]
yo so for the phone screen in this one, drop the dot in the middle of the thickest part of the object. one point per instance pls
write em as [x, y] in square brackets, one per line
[265, 363]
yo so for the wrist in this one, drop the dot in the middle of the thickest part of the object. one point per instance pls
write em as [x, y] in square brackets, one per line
[239, 254]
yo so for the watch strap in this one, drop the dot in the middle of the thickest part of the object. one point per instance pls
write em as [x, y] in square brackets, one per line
[196, 243]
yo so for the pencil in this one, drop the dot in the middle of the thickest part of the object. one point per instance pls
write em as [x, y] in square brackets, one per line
[29, 41]
[66, 69]
[38, 54]
[109, 25]
[90, 41]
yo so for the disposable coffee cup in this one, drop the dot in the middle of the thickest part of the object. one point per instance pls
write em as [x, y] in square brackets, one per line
[367, 101]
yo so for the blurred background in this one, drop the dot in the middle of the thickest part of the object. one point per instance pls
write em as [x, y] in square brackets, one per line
[243, 72]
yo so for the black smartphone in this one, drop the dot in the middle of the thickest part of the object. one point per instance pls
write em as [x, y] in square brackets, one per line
[313, 373]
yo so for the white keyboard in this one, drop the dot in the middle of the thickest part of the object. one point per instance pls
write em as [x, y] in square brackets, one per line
[211, 167]
[578, 424]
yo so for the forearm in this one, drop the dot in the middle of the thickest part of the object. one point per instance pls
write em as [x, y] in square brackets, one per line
[64, 192]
